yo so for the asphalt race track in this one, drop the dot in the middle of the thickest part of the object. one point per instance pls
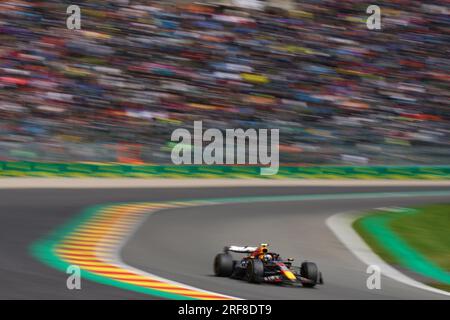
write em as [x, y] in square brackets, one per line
[179, 244]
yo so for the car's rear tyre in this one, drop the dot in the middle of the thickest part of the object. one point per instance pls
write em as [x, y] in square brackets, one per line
[255, 271]
[223, 265]
[310, 271]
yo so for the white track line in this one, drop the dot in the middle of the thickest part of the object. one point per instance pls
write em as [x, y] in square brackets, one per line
[341, 225]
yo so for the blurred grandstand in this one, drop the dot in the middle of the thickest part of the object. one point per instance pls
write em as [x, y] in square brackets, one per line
[115, 90]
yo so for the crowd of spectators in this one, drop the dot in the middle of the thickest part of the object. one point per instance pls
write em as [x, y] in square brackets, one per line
[137, 70]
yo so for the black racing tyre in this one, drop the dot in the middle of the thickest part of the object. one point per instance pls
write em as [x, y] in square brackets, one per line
[310, 271]
[255, 271]
[223, 265]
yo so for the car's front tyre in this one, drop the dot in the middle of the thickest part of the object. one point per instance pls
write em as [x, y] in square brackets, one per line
[310, 271]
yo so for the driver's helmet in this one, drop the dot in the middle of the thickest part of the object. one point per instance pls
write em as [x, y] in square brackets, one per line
[267, 257]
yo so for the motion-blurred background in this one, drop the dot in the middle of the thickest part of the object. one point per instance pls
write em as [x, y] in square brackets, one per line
[116, 89]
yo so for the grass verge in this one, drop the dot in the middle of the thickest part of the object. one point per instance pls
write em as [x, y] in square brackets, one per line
[425, 229]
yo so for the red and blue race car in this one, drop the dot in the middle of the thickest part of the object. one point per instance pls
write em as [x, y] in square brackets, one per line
[260, 265]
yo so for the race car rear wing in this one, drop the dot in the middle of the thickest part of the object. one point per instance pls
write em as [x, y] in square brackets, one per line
[239, 249]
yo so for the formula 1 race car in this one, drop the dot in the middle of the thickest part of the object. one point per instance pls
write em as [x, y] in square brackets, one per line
[259, 265]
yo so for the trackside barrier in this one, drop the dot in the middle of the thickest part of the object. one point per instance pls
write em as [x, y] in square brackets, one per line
[114, 170]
